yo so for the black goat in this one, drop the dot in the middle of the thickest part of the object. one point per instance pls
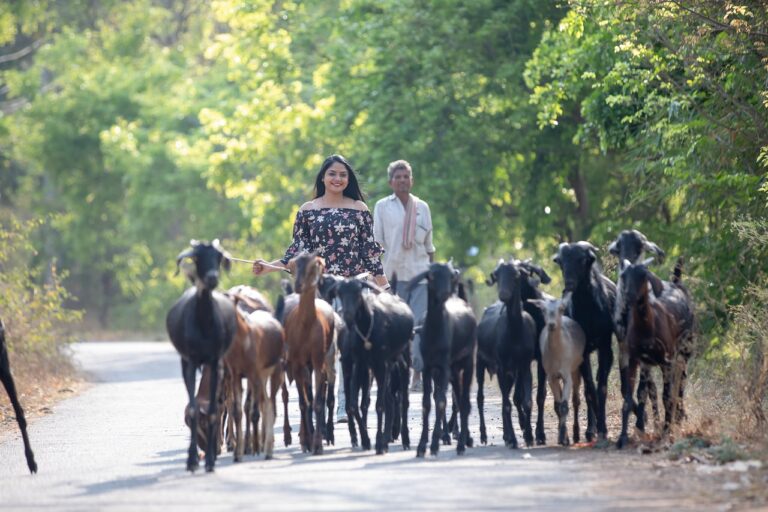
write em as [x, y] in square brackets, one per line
[506, 339]
[592, 304]
[448, 341]
[529, 290]
[379, 330]
[10, 388]
[201, 325]
[326, 287]
[659, 332]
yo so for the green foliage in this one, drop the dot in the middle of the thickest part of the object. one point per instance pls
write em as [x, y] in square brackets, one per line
[32, 302]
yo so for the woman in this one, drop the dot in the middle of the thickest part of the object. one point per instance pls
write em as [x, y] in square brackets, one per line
[337, 224]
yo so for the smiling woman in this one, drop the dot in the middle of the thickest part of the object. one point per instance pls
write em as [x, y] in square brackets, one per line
[336, 224]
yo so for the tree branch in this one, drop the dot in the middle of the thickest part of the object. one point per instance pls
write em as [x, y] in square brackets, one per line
[20, 54]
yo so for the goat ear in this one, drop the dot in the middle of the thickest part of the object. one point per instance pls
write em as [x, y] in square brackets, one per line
[491, 279]
[321, 262]
[656, 284]
[226, 263]
[614, 247]
[542, 274]
[415, 280]
[537, 302]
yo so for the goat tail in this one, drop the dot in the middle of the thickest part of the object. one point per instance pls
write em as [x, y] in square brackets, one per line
[678, 271]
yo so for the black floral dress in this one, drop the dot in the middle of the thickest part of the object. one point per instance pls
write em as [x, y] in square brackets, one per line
[342, 236]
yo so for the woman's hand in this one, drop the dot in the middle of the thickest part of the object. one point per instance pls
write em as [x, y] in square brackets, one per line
[261, 267]
[382, 282]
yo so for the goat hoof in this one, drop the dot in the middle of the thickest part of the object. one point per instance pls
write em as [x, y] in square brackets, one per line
[420, 451]
[208, 469]
[483, 439]
[268, 456]
[541, 440]
[622, 442]
[460, 450]
[590, 437]
[512, 445]
[470, 442]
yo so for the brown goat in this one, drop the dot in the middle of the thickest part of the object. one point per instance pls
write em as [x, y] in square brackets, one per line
[659, 332]
[251, 300]
[309, 336]
[256, 355]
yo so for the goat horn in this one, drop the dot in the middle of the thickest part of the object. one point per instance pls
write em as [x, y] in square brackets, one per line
[648, 261]
[181, 256]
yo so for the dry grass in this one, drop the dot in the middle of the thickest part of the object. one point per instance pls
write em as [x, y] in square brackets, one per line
[41, 383]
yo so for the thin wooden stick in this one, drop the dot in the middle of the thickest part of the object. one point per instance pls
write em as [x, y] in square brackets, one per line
[275, 267]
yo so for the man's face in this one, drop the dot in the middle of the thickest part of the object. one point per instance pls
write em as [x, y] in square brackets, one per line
[401, 181]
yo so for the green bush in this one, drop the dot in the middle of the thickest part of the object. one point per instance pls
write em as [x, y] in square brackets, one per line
[32, 298]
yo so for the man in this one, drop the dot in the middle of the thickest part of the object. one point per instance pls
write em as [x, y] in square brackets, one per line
[402, 224]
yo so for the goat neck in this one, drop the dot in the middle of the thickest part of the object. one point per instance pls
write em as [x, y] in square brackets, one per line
[642, 314]
[207, 313]
[514, 306]
[364, 323]
[306, 309]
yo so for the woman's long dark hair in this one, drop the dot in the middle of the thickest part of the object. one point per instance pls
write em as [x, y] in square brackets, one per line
[353, 189]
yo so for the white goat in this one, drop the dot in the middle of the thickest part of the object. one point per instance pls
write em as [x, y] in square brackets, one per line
[562, 350]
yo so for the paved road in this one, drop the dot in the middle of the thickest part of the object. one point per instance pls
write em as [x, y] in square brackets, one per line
[121, 445]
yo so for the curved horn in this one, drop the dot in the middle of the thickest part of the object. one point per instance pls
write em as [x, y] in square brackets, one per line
[376, 288]
[183, 254]
[587, 245]
[415, 280]
[614, 247]
[652, 247]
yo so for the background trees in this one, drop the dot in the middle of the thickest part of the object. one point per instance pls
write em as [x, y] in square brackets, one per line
[144, 123]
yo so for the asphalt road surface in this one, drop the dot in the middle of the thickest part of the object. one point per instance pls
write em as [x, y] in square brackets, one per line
[121, 445]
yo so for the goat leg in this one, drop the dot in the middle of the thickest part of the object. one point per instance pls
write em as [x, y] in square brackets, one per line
[287, 440]
[189, 371]
[590, 394]
[480, 378]
[605, 361]
[426, 402]
[627, 406]
[522, 399]
[576, 378]
[10, 388]
[213, 423]
[541, 396]
[404, 375]
[441, 382]
[505, 385]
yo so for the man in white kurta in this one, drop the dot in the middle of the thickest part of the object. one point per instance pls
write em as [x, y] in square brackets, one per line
[402, 224]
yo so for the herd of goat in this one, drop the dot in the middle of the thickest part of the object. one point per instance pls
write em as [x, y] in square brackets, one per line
[237, 335]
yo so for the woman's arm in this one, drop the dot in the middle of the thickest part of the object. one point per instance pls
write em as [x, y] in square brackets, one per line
[261, 267]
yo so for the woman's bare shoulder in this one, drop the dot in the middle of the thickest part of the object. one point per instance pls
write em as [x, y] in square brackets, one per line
[309, 205]
[359, 205]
